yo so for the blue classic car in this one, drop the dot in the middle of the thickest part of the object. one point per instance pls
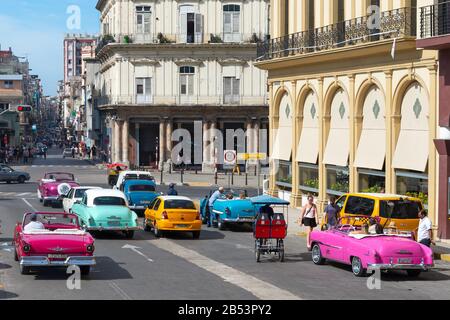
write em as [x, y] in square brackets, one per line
[229, 211]
[139, 193]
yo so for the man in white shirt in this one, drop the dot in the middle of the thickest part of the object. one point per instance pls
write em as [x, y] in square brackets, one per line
[425, 231]
[34, 224]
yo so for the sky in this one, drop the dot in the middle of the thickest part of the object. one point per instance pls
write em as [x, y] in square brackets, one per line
[36, 29]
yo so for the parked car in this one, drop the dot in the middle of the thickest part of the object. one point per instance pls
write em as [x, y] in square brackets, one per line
[61, 244]
[132, 175]
[229, 211]
[140, 193]
[401, 210]
[67, 153]
[8, 175]
[53, 185]
[346, 244]
[172, 214]
[74, 195]
[106, 210]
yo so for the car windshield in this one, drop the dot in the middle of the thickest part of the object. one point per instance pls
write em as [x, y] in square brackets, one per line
[48, 219]
[109, 201]
[142, 187]
[179, 204]
[79, 193]
[400, 209]
[60, 176]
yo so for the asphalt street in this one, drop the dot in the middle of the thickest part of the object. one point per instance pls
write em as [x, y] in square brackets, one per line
[220, 265]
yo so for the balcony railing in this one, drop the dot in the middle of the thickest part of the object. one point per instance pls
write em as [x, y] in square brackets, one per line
[182, 100]
[392, 24]
[435, 20]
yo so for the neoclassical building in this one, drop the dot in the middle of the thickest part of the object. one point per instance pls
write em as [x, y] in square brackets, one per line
[353, 102]
[167, 64]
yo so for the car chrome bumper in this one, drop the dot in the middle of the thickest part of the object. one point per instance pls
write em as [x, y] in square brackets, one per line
[388, 266]
[51, 198]
[43, 261]
[238, 220]
[112, 228]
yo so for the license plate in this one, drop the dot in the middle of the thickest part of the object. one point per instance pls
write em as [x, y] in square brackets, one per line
[57, 256]
[404, 260]
[182, 226]
[114, 223]
[145, 202]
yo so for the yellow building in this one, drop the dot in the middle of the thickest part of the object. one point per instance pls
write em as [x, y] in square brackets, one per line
[353, 102]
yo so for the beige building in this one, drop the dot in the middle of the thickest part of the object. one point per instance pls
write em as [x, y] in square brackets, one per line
[353, 103]
[167, 64]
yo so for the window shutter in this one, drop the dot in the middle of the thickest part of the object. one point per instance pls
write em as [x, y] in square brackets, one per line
[183, 28]
[146, 23]
[148, 86]
[236, 18]
[139, 21]
[183, 84]
[198, 28]
[139, 86]
[227, 86]
[236, 87]
[227, 22]
[191, 84]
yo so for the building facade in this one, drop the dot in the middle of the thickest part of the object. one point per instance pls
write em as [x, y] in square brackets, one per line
[354, 99]
[189, 65]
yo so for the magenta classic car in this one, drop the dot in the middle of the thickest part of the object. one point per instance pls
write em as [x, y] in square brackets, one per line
[53, 185]
[348, 244]
[60, 243]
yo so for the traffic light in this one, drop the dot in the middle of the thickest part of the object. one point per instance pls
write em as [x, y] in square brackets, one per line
[24, 108]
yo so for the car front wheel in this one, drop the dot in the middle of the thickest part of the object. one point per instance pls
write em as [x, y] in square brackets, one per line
[21, 180]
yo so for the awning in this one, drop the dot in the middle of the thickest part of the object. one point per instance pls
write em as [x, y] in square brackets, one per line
[308, 147]
[282, 147]
[371, 151]
[338, 147]
[412, 150]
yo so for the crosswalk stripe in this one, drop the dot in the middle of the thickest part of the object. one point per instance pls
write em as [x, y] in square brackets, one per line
[261, 289]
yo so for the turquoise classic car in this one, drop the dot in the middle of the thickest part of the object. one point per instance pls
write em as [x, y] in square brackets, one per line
[106, 210]
[228, 211]
[140, 193]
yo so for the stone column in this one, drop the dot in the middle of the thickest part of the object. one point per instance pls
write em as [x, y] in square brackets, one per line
[391, 137]
[296, 196]
[169, 145]
[162, 144]
[355, 122]
[125, 136]
[324, 124]
[117, 142]
[432, 160]
[212, 150]
[272, 132]
[205, 144]
[111, 141]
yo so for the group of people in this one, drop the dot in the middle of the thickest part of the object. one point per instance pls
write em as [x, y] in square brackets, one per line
[19, 154]
[309, 218]
[83, 151]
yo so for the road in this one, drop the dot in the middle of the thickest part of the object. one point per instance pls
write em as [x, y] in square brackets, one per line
[220, 265]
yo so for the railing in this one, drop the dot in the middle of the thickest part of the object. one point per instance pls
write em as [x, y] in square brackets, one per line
[435, 20]
[392, 24]
[181, 100]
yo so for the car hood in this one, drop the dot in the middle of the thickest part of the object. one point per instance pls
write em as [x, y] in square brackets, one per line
[58, 244]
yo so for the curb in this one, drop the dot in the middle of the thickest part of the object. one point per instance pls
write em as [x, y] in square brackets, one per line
[445, 257]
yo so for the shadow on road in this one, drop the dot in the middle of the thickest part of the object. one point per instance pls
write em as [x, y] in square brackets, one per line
[204, 235]
[4, 266]
[7, 295]
[105, 269]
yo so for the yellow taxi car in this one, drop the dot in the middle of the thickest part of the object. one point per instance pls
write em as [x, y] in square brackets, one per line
[172, 214]
[394, 211]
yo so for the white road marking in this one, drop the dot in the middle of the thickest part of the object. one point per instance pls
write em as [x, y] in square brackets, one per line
[255, 286]
[119, 291]
[23, 194]
[29, 204]
[135, 249]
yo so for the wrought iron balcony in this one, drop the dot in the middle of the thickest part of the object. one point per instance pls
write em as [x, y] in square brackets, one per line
[435, 20]
[392, 24]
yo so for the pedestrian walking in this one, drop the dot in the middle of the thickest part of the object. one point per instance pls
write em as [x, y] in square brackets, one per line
[93, 152]
[172, 191]
[424, 233]
[309, 218]
[73, 151]
[331, 213]
[26, 155]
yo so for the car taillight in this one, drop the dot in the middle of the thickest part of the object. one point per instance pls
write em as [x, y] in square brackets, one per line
[198, 216]
[90, 248]
[164, 215]
[26, 247]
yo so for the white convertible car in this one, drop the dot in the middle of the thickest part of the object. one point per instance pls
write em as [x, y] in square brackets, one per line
[74, 195]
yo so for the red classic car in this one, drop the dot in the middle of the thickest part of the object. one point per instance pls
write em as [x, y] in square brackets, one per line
[59, 242]
[53, 185]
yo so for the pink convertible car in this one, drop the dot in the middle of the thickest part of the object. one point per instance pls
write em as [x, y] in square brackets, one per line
[61, 244]
[53, 185]
[346, 244]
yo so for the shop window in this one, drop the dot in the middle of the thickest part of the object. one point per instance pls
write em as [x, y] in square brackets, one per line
[371, 181]
[337, 180]
[284, 175]
[309, 178]
[413, 184]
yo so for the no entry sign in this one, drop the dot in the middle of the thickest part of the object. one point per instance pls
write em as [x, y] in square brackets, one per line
[229, 157]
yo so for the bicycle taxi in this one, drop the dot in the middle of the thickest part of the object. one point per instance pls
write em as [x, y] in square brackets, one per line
[270, 230]
[113, 172]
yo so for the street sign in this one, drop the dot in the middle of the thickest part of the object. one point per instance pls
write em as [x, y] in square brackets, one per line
[229, 157]
[251, 156]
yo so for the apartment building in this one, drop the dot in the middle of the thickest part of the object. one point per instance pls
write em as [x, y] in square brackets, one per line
[169, 65]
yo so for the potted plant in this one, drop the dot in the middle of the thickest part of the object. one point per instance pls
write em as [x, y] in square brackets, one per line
[213, 38]
[163, 39]
[127, 39]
